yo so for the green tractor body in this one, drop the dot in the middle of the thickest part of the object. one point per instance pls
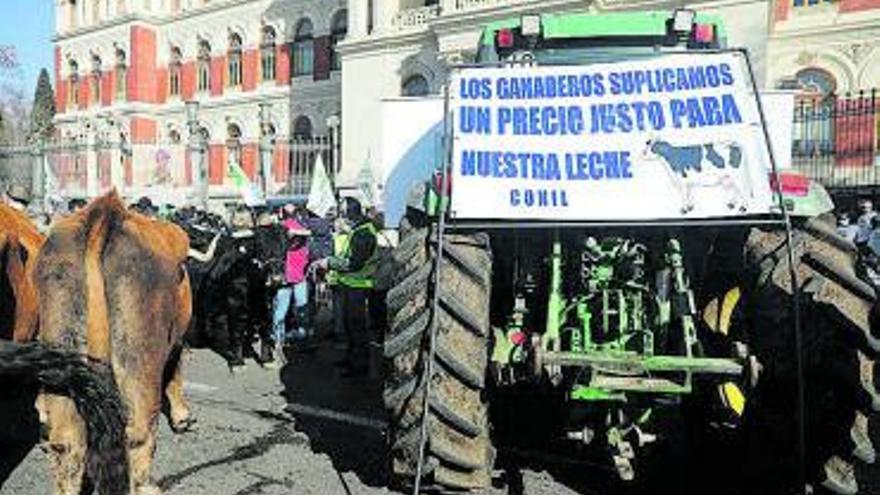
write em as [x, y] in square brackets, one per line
[612, 321]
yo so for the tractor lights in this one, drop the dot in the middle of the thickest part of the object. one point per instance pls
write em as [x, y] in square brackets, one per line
[683, 20]
[530, 25]
[505, 38]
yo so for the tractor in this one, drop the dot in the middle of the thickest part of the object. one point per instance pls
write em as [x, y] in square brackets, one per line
[618, 339]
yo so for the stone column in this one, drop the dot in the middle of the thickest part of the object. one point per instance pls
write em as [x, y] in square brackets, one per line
[447, 6]
[197, 162]
[117, 164]
[91, 161]
[267, 145]
[357, 18]
[38, 168]
[385, 11]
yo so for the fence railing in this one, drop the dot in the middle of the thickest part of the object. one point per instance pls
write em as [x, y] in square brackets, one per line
[837, 139]
[166, 172]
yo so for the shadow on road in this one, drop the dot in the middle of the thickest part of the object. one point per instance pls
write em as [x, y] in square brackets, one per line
[279, 434]
[342, 417]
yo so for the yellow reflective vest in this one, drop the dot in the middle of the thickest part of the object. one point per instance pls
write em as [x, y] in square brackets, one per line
[363, 278]
[340, 246]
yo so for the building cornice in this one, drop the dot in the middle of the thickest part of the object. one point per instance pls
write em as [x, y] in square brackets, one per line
[152, 19]
[854, 30]
[176, 106]
[306, 87]
[388, 41]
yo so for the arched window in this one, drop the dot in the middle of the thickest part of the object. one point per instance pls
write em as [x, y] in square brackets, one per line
[121, 76]
[814, 81]
[234, 60]
[233, 143]
[175, 70]
[338, 30]
[302, 127]
[203, 65]
[267, 54]
[303, 49]
[174, 136]
[73, 84]
[415, 85]
[95, 83]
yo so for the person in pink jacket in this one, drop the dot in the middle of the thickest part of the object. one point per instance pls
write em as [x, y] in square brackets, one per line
[296, 286]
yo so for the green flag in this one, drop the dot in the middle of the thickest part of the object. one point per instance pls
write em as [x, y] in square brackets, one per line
[251, 195]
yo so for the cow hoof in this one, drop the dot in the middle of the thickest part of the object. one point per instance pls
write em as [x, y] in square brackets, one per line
[238, 369]
[150, 489]
[185, 425]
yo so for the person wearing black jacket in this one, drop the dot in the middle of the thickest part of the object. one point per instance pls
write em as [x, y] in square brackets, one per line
[356, 267]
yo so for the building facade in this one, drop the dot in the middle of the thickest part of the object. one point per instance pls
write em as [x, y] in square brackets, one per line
[126, 68]
[823, 46]
[400, 48]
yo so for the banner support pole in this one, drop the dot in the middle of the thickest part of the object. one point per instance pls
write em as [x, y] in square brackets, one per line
[793, 279]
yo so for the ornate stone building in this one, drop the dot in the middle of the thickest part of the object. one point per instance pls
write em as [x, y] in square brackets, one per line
[823, 46]
[127, 67]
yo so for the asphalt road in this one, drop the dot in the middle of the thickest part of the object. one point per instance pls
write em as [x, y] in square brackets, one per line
[306, 430]
[250, 440]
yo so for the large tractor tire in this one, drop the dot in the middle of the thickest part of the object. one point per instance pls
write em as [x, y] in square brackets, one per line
[840, 342]
[458, 453]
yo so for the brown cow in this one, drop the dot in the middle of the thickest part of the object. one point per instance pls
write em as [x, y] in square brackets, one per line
[112, 283]
[19, 243]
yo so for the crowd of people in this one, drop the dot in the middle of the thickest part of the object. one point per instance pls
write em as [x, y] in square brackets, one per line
[862, 228]
[259, 286]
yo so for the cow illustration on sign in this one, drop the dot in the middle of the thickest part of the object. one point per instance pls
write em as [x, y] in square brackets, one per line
[702, 166]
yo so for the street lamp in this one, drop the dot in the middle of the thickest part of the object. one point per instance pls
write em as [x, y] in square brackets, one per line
[197, 151]
[333, 124]
[267, 144]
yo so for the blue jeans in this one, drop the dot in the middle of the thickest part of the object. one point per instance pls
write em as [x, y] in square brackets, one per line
[300, 295]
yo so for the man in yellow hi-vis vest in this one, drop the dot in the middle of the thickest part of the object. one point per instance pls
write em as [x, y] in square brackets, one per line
[356, 267]
[340, 246]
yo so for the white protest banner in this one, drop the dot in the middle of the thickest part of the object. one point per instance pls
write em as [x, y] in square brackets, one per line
[321, 198]
[677, 136]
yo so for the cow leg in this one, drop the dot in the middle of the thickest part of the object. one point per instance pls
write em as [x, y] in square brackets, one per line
[66, 443]
[144, 400]
[179, 415]
[688, 197]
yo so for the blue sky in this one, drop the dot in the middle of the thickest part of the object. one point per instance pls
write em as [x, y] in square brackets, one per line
[29, 25]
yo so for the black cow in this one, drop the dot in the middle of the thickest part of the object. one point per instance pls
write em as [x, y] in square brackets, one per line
[232, 285]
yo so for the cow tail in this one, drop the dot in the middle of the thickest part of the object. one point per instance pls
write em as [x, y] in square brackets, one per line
[97, 316]
[93, 390]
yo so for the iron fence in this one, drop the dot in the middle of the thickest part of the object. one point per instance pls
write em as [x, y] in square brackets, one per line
[166, 172]
[301, 157]
[836, 140]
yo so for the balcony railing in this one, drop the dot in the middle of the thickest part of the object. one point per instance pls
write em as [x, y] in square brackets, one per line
[419, 16]
[410, 18]
[460, 5]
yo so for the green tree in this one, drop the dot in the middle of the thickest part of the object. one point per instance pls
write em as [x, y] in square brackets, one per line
[43, 111]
